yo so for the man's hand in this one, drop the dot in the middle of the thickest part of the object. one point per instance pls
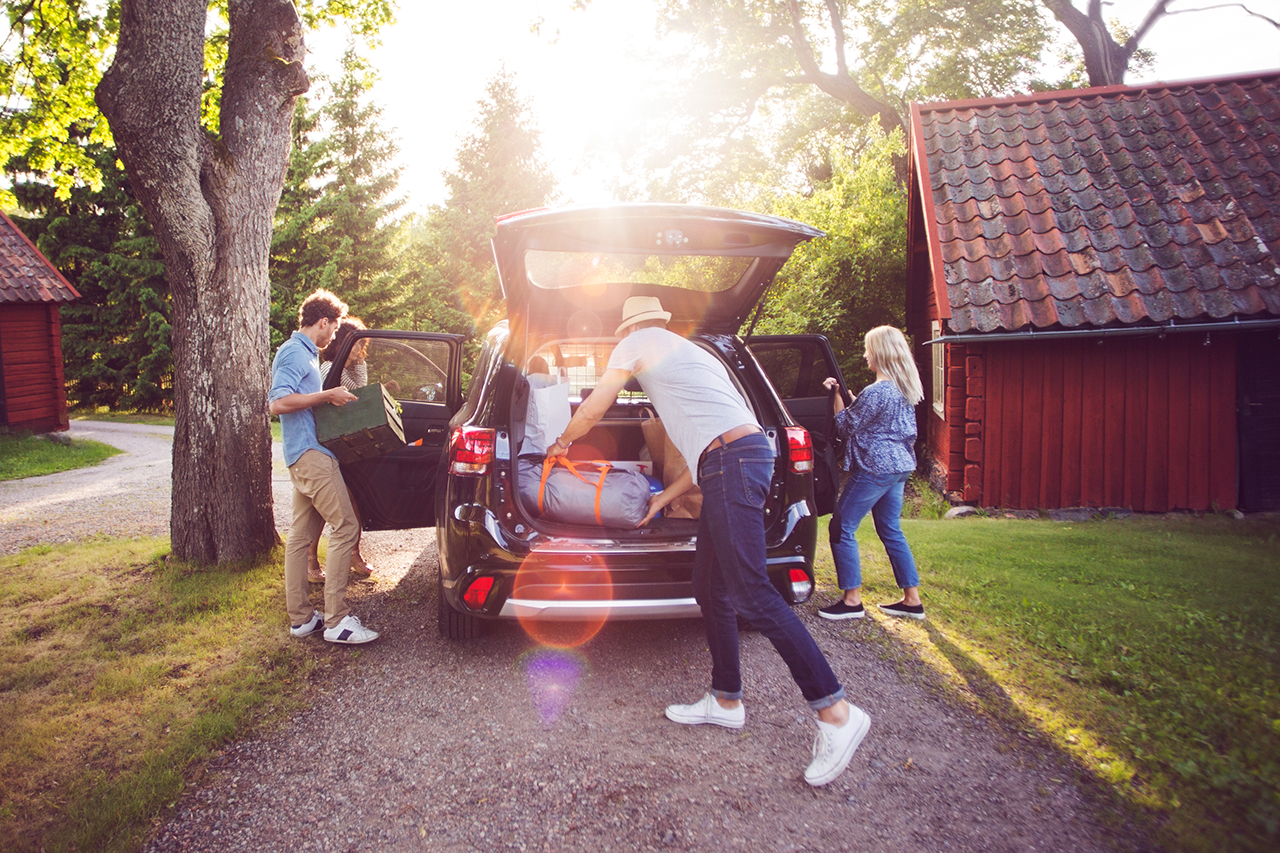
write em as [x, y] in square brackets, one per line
[656, 503]
[339, 396]
[682, 484]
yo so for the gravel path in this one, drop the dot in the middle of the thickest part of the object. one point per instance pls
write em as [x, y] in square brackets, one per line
[503, 743]
[127, 495]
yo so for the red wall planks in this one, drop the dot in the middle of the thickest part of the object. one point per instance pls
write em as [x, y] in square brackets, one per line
[1144, 423]
[1179, 422]
[35, 398]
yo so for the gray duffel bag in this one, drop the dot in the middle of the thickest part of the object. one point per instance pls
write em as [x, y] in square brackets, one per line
[576, 492]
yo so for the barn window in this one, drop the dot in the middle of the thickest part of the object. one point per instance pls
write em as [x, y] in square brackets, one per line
[939, 370]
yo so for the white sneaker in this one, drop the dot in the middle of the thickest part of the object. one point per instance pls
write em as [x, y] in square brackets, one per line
[835, 745]
[708, 710]
[315, 623]
[350, 631]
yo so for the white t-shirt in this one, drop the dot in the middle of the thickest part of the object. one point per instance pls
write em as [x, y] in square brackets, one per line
[689, 387]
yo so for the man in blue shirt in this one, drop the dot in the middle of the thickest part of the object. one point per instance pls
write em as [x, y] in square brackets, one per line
[319, 493]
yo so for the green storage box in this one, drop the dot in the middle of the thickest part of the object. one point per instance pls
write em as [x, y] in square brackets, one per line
[367, 427]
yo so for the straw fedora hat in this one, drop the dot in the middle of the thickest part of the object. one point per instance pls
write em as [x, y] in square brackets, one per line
[637, 309]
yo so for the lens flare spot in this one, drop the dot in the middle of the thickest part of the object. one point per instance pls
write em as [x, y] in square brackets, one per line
[552, 677]
[555, 597]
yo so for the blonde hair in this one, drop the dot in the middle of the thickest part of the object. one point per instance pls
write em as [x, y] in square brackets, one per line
[891, 355]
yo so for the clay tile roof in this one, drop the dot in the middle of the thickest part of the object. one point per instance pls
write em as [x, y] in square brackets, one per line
[25, 274]
[1116, 205]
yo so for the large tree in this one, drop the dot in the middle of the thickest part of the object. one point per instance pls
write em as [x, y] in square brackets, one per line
[200, 115]
[1109, 48]
[211, 200]
[753, 66]
[336, 225]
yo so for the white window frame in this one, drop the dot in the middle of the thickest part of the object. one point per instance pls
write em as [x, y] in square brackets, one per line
[939, 370]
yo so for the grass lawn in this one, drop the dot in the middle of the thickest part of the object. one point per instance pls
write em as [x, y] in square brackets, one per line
[25, 455]
[102, 413]
[1147, 649]
[120, 673]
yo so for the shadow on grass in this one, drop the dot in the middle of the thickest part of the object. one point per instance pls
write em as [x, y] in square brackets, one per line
[1126, 827]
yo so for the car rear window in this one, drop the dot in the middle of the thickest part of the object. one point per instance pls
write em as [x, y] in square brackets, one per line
[705, 274]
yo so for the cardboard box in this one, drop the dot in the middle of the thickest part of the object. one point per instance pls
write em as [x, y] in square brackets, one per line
[367, 427]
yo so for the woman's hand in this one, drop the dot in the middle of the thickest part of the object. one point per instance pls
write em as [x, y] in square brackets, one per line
[830, 383]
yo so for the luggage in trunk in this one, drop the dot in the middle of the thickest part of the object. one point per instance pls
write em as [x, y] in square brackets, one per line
[576, 492]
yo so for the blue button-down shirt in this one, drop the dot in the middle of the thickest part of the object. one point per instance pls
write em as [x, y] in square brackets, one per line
[296, 370]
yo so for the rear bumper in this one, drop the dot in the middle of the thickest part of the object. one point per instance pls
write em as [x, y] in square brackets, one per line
[569, 580]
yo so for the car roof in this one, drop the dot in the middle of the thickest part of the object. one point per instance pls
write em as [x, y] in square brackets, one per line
[567, 271]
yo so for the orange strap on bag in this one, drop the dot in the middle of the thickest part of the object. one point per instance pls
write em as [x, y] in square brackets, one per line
[551, 462]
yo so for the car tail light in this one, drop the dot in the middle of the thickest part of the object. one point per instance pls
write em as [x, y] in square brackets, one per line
[477, 593]
[801, 586]
[470, 451]
[799, 450]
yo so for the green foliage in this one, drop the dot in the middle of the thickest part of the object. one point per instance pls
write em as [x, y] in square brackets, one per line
[49, 65]
[25, 455]
[747, 111]
[499, 170]
[115, 338]
[853, 279]
[335, 225]
[55, 54]
[432, 302]
[1147, 648]
[926, 50]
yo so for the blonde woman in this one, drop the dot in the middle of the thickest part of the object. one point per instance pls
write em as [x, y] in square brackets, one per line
[879, 428]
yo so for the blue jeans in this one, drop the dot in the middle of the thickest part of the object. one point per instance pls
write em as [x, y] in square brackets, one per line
[881, 495]
[729, 576]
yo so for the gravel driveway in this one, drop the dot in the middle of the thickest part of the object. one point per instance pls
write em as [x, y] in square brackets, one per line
[503, 743]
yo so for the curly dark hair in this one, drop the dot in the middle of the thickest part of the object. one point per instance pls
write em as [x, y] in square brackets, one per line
[320, 305]
[345, 330]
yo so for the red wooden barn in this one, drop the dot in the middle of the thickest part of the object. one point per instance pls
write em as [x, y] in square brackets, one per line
[33, 393]
[1094, 282]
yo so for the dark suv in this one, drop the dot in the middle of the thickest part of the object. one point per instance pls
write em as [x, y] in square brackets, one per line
[565, 274]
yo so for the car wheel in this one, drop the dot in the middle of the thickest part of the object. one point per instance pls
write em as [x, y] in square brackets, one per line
[455, 625]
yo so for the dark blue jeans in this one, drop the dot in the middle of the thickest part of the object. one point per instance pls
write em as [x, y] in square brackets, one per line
[880, 495]
[729, 576]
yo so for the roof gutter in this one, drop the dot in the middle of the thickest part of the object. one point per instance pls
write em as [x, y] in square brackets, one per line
[1130, 331]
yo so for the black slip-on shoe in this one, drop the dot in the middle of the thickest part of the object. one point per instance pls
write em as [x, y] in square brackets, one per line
[910, 611]
[840, 610]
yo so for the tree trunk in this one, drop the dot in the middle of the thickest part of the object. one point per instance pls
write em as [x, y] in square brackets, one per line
[211, 200]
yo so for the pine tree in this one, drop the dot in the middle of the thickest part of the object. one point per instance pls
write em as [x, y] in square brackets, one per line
[499, 170]
[335, 226]
[115, 338]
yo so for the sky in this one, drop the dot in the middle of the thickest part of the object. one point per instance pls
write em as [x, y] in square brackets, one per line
[581, 67]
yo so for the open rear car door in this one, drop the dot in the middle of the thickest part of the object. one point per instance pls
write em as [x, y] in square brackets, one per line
[422, 371]
[796, 366]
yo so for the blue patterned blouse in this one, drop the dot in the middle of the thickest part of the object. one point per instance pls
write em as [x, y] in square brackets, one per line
[879, 431]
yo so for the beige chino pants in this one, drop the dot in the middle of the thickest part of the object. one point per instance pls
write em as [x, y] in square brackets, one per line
[319, 496]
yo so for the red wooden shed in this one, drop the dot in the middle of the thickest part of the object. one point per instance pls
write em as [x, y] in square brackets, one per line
[33, 394]
[1094, 285]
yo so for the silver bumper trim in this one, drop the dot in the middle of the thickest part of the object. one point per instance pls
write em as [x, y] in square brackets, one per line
[575, 611]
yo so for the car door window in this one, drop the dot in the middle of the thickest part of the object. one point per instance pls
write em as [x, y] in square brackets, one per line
[421, 372]
[796, 366]
[410, 370]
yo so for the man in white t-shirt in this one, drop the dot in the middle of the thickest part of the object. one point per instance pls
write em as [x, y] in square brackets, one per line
[732, 461]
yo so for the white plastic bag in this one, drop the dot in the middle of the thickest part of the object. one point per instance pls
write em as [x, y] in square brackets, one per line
[547, 415]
